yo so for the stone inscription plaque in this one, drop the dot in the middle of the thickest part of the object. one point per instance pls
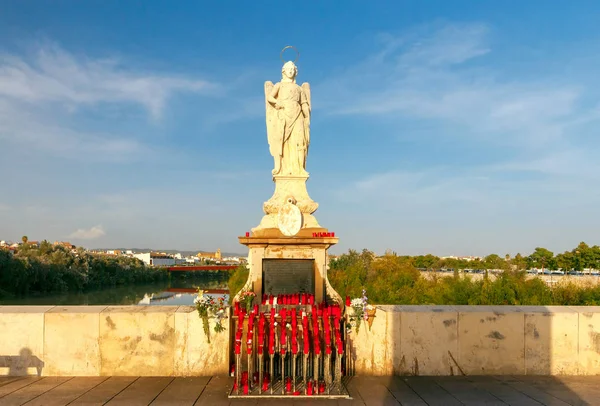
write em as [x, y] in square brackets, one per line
[284, 276]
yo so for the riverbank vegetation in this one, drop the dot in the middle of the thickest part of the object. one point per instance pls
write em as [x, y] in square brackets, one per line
[33, 270]
[394, 279]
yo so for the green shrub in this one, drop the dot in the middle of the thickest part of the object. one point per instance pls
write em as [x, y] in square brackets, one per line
[393, 279]
[237, 280]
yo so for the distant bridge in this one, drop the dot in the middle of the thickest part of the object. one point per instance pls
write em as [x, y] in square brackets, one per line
[192, 290]
[201, 268]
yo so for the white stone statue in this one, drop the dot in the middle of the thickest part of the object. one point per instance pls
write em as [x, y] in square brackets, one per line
[288, 132]
[288, 122]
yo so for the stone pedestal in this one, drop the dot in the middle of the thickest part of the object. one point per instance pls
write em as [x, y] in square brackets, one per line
[272, 244]
[289, 189]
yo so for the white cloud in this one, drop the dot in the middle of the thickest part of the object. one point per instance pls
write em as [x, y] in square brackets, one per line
[45, 100]
[54, 75]
[33, 130]
[450, 76]
[89, 234]
[536, 132]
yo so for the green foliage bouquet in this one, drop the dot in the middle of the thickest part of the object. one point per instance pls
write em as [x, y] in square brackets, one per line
[208, 306]
[246, 299]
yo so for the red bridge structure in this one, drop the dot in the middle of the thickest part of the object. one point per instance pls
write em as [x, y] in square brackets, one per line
[201, 268]
[192, 290]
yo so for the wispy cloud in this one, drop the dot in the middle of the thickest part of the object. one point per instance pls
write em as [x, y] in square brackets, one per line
[34, 130]
[46, 98]
[88, 234]
[54, 75]
[532, 136]
[446, 75]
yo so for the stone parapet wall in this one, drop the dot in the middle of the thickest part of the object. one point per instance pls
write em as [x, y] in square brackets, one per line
[413, 340]
[479, 340]
[109, 340]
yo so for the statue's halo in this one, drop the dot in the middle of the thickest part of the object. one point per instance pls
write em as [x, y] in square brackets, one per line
[288, 47]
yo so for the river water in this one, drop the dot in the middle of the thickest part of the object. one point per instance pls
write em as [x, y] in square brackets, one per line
[177, 292]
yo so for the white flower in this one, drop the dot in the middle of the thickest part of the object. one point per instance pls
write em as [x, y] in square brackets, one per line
[288, 326]
[370, 307]
[356, 302]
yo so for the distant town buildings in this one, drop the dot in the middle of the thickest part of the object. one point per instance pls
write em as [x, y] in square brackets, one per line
[155, 259]
[210, 255]
[149, 258]
[469, 258]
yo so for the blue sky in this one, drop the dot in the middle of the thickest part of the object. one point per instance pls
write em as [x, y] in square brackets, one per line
[455, 128]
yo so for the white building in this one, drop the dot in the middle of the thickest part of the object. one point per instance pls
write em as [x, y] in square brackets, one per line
[153, 259]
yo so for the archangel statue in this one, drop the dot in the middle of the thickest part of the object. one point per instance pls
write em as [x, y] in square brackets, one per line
[288, 122]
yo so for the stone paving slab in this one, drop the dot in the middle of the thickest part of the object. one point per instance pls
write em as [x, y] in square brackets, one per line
[365, 391]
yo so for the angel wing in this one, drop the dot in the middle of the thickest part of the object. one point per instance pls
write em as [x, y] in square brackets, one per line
[274, 135]
[306, 89]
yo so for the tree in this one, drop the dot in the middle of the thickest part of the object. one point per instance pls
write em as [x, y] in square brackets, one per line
[565, 261]
[493, 261]
[425, 261]
[540, 258]
[24, 239]
[584, 257]
[519, 262]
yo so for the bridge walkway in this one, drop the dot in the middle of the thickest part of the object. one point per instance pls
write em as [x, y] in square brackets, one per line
[397, 390]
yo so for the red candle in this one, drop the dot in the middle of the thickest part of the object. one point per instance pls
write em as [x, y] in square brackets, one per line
[282, 340]
[311, 300]
[294, 332]
[309, 389]
[270, 299]
[333, 234]
[265, 386]
[348, 302]
[321, 387]
[247, 234]
[327, 331]
[288, 384]
[272, 333]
